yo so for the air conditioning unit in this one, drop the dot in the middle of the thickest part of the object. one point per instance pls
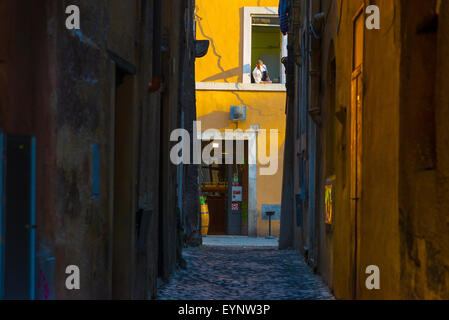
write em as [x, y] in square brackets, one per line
[238, 113]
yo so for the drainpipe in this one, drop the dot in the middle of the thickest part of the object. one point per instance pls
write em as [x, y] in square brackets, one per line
[156, 79]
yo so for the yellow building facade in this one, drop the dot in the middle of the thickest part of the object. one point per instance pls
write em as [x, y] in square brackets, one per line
[240, 32]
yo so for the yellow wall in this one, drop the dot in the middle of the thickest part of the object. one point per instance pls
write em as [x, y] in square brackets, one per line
[221, 23]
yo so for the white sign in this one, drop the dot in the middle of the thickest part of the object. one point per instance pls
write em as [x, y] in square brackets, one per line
[237, 194]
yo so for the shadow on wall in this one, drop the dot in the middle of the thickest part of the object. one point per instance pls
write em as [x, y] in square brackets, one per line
[214, 120]
[235, 72]
[225, 75]
[198, 19]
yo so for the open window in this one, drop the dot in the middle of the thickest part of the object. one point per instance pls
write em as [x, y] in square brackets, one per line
[263, 40]
[266, 45]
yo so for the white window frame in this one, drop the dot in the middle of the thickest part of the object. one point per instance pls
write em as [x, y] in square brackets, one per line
[248, 12]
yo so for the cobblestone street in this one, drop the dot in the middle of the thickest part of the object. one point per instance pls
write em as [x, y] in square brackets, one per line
[243, 273]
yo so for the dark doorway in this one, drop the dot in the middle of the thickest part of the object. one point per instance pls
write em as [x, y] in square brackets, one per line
[356, 144]
[18, 220]
[225, 187]
[215, 187]
[123, 220]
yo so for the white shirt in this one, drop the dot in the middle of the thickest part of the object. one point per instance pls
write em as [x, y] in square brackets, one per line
[258, 74]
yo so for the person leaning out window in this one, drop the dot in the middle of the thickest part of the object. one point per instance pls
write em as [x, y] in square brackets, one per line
[260, 73]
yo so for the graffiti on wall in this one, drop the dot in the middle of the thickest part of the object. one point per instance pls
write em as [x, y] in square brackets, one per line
[46, 272]
[328, 202]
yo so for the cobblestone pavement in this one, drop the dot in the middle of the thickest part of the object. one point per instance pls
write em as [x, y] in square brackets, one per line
[231, 273]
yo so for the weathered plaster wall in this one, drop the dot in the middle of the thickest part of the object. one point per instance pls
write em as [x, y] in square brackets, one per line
[325, 234]
[440, 267]
[378, 234]
[190, 197]
[341, 259]
[221, 23]
[423, 175]
[60, 86]
[377, 221]
[402, 222]
[27, 104]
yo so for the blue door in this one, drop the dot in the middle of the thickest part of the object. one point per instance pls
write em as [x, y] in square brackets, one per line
[2, 224]
[18, 216]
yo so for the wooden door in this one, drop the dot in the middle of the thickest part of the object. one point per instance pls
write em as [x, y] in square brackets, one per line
[356, 167]
[356, 141]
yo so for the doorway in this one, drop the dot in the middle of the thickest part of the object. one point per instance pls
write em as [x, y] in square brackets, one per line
[225, 188]
[356, 141]
[17, 217]
[124, 204]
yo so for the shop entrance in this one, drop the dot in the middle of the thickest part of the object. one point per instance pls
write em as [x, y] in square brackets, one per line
[225, 188]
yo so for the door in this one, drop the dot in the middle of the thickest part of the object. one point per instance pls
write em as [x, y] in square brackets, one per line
[238, 183]
[124, 204]
[2, 216]
[356, 141]
[18, 217]
[356, 166]
[245, 197]
[234, 207]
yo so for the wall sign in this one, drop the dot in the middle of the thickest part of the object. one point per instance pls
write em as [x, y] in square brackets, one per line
[237, 194]
[271, 208]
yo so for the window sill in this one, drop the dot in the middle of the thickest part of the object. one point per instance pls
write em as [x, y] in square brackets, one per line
[223, 86]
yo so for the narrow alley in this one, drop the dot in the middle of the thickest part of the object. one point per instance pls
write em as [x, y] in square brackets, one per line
[241, 268]
[224, 150]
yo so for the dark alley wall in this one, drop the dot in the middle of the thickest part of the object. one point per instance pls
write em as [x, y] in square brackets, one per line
[84, 95]
[397, 219]
[423, 186]
[28, 98]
